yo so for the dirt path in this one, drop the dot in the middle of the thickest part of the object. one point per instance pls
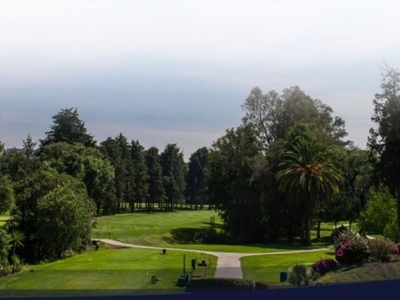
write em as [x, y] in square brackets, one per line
[228, 263]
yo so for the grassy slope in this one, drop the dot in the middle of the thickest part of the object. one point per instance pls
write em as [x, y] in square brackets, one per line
[268, 267]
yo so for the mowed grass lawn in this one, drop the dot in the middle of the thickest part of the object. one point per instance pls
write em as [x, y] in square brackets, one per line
[268, 267]
[177, 229]
[156, 228]
[129, 271]
[107, 271]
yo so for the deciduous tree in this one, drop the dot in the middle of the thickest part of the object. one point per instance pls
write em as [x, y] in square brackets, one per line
[384, 141]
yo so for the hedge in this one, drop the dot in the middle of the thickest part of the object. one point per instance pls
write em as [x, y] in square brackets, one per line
[219, 284]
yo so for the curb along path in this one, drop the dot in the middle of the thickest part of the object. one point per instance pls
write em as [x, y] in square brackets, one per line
[228, 263]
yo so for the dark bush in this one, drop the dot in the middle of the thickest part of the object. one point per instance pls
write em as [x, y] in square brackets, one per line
[260, 285]
[219, 284]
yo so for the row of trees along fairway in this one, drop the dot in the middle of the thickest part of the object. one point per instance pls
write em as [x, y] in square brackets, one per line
[55, 191]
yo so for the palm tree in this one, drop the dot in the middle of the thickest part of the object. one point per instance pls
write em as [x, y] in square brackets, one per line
[309, 178]
[16, 238]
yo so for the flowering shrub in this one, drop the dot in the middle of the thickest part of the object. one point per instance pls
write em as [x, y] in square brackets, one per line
[381, 250]
[336, 232]
[351, 252]
[323, 266]
[344, 237]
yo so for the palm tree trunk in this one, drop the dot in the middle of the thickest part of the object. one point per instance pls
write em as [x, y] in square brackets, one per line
[307, 231]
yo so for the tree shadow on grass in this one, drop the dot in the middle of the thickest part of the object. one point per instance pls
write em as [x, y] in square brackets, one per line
[184, 235]
[216, 226]
[207, 235]
[210, 235]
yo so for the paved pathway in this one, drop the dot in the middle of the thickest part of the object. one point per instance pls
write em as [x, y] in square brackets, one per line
[228, 264]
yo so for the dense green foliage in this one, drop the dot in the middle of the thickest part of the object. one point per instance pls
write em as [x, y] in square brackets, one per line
[308, 177]
[384, 141]
[196, 185]
[173, 172]
[55, 214]
[379, 214]
[68, 127]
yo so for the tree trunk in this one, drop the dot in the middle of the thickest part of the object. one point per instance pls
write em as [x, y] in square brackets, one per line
[290, 233]
[319, 230]
[303, 232]
[307, 231]
[398, 212]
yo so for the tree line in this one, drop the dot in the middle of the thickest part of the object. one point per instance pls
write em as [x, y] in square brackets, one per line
[286, 168]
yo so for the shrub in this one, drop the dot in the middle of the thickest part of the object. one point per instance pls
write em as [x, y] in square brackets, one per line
[16, 264]
[352, 252]
[323, 266]
[390, 230]
[219, 284]
[5, 268]
[381, 249]
[343, 237]
[336, 232]
[299, 275]
[260, 285]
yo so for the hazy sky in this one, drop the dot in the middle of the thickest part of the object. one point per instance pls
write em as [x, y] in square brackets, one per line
[178, 71]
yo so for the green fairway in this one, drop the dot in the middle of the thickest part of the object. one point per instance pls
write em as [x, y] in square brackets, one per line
[155, 229]
[120, 271]
[129, 271]
[268, 267]
[178, 229]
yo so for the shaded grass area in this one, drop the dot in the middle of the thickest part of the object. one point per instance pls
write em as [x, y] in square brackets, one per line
[268, 267]
[107, 271]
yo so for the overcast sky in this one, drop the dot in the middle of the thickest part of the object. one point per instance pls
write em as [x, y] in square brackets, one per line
[178, 71]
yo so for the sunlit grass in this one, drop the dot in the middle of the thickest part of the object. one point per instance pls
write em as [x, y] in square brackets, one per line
[116, 270]
[177, 229]
[268, 267]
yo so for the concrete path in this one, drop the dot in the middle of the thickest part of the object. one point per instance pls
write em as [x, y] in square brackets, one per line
[228, 264]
